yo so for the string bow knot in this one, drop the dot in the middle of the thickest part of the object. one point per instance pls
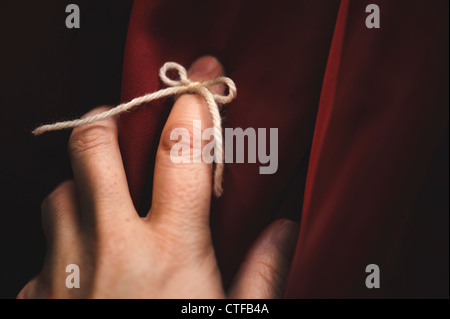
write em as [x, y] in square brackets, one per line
[175, 87]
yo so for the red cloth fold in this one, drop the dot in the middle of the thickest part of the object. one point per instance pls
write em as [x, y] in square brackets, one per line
[360, 111]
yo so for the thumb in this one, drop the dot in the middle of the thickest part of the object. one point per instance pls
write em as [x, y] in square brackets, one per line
[264, 272]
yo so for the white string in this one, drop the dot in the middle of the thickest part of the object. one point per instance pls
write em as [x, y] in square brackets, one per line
[175, 87]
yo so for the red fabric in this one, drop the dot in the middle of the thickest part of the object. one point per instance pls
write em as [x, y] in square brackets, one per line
[367, 108]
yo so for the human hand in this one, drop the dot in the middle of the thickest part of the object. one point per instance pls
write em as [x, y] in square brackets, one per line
[91, 222]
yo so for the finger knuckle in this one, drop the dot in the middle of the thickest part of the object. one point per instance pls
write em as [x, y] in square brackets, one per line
[178, 133]
[91, 138]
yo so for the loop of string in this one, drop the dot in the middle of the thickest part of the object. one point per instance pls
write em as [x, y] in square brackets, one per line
[175, 87]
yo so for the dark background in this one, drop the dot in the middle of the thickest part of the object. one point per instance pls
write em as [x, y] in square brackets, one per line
[47, 73]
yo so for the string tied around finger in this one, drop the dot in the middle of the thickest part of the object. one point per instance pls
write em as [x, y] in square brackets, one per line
[175, 87]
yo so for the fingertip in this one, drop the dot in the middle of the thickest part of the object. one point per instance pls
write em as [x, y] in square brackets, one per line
[207, 68]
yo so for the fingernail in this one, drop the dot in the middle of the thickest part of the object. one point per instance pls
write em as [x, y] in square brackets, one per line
[204, 65]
